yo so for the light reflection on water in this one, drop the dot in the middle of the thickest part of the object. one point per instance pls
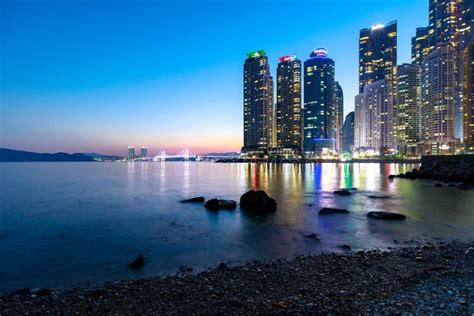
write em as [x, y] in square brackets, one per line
[67, 223]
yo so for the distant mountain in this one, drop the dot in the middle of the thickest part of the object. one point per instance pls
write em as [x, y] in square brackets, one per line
[10, 155]
[97, 156]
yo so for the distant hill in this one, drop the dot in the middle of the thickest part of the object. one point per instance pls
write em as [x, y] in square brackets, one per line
[97, 156]
[10, 155]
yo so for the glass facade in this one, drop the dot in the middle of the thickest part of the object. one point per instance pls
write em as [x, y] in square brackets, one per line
[288, 105]
[319, 97]
[258, 104]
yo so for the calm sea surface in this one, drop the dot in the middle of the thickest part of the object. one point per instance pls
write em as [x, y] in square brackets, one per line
[64, 224]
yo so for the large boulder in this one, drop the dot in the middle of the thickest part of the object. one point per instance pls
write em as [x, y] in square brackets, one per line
[330, 210]
[212, 205]
[386, 216]
[199, 199]
[258, 202]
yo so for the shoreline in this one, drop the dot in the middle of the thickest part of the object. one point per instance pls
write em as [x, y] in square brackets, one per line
[422, 278]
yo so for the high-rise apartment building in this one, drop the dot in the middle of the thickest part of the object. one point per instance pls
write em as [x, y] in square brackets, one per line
[289, 131]
[348, 133]
[144, 152]
[319, 97]
[131, 153]
[420, 45]
[377, 54]
[468, 102]
[438, 93]
[338, 115]
[408, 108]
[374, 119]
[258, 104]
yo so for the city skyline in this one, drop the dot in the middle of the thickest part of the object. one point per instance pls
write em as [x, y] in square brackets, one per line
[80, 101]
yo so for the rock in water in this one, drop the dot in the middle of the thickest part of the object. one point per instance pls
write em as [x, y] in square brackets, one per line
[386, 215]
[312, 236]
[342, 192]
[345, 247]
[227, 204]
[212, 205]
[138, 263]
[382, 197]
[199, 199]
[330, 210]
[258, 202]
[438, 185]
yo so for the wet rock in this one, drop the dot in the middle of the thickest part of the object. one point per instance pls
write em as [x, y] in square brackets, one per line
[343, 192]
[386, 216]
[312, 236]
[138, 263]
[199, 199]
[380, 197]
[43, 292]
[258, 202]
[227, 204]
[21, 292]
[345, 247]
[212, 205]
[329, 210]
[464, 187]
[222, 266]
[438, 185]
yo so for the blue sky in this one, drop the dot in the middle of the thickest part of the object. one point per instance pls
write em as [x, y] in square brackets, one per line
[83, 76]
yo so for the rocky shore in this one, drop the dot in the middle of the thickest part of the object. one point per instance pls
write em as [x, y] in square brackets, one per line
[423, 278]
[457, 171]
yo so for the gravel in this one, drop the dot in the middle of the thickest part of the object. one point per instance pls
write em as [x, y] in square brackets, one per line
[433, 278]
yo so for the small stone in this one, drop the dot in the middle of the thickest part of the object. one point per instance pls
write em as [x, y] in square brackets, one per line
[138, 263]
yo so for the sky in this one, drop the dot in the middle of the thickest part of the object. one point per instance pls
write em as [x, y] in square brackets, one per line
[99, 75]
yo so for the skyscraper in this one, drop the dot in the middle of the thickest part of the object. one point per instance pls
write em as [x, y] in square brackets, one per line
[408, 108]
[348, 133]
[338, 115]
[288, 105]
[420, 45]
[131, 153]
[443, 22]
[438, 93]
[258, 104]
[144, 152]
[319, 83]
[374, 118]
[377, 54]
[450, 23]
[468, 105]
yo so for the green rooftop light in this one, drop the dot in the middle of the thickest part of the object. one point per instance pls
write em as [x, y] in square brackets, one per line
[256, 54]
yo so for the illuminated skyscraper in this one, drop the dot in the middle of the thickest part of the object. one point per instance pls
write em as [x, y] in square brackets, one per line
[144, 152]
[131, 153]
[420, 45]
[348, 133]
[258, 104]
[408, 108]
[288, 105]
[468, 105]
[438, 92]
[374, 130]
[319, 97]
[377, 54]
[338, 115]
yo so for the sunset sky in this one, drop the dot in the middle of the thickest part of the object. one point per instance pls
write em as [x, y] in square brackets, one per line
[97, 76]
